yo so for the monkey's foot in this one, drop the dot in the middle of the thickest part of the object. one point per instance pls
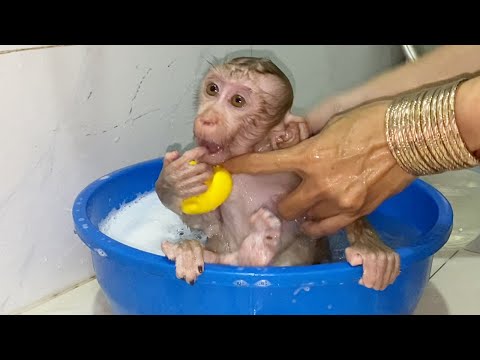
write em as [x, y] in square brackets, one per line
[188, 257]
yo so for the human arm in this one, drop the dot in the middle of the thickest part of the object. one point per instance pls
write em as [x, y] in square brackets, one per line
[440, 64]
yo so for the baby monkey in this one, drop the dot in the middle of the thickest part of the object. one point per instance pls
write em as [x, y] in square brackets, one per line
[244, 107]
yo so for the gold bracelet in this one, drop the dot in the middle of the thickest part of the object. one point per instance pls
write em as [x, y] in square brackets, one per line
[422, 132]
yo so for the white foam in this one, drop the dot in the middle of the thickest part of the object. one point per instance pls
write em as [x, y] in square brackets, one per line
[145, 223]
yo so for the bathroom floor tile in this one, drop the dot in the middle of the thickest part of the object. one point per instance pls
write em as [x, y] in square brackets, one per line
[455, 288]
[441, 258]
[87, 299]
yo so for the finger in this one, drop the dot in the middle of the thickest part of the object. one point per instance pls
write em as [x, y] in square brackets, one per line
[179, 267]
[193, 154]
[353, 256]
[195, 180]
[169, 249]
[369, 270]
[198, 258]
[265, 163]
[380, 270]
[189, 170]
[298, 202]
[327, 226]
[169, 157]
[197, 190]
[390, 269]
[396, 271]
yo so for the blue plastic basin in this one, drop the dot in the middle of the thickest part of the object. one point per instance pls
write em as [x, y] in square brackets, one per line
[417, 222]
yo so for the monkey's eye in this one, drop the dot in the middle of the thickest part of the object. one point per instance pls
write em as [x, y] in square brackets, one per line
[238, 101]
[212, 89]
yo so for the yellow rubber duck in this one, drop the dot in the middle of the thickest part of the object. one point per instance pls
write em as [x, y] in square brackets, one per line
[219, 189]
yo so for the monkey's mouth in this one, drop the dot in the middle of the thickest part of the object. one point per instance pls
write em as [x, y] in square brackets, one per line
[213, 148]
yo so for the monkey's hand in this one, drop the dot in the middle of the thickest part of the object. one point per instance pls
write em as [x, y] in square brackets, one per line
[179, 180]
[381, 265]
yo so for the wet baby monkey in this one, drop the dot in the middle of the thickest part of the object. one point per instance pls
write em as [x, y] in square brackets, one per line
[244, 107]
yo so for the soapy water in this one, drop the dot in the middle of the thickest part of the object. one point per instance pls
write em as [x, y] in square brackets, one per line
[145, 223]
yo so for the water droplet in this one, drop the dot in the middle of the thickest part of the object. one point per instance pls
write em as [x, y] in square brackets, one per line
[85, 226]
[81, 219]
[330, 307]
[116, 139]
[294, 301]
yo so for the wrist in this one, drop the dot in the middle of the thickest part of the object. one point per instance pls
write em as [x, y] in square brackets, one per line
[422, 132]
[467, 113]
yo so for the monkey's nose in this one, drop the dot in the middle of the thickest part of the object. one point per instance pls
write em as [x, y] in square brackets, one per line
[208, 121]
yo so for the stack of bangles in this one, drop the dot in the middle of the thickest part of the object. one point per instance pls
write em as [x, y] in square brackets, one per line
[422, 132]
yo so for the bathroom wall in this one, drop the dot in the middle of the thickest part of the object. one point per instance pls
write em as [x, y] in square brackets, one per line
[71, 114]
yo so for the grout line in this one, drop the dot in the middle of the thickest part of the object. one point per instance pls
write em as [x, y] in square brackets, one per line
[4, 52]
[51, 297]
[455, 253]
[471, 252]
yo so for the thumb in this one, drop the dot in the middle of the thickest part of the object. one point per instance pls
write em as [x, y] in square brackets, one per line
[353, 257]
[285, 160]
[170, 157]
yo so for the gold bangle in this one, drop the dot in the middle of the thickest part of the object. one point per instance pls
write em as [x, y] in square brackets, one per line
[422, 132]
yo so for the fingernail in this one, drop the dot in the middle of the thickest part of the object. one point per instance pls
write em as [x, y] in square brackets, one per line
[200, 269]
[192, 282]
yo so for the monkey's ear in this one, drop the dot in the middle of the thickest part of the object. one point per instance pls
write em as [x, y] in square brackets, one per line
[300, 123]
[269, 143]
[295, 130]
[292, 130]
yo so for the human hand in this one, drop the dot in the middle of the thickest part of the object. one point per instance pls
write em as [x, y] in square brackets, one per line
[347, 171]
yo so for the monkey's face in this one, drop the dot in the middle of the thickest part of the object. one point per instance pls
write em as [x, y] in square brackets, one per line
[235, 112]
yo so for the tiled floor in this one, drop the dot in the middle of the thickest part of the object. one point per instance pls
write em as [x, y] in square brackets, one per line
[454, 286]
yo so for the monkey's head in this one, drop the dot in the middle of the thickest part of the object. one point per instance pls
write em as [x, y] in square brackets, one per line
[240, 101]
